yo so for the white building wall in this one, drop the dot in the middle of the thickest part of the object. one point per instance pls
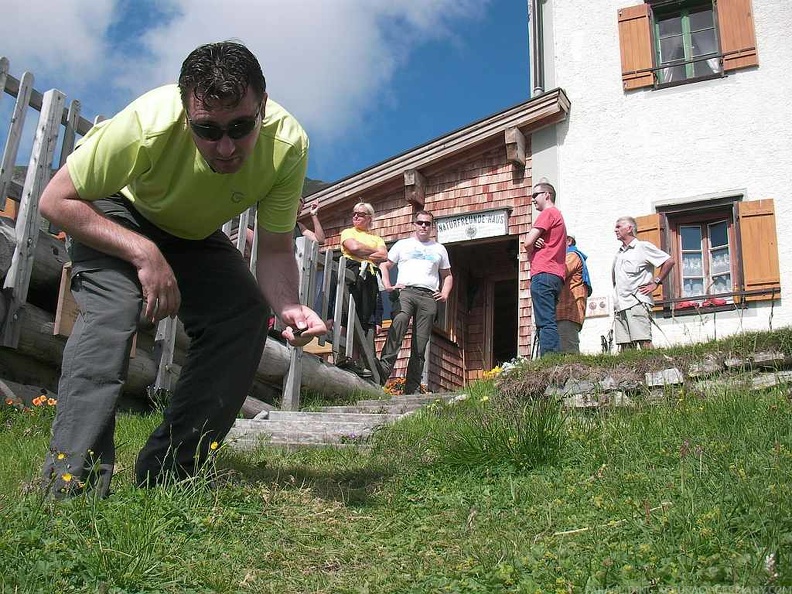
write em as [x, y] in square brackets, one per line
[622, 153]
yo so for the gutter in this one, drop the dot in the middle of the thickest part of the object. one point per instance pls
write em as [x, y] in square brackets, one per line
[537, 43]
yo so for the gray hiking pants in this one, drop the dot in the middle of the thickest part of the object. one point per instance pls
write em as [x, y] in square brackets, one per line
[224, 314]
[418, 304]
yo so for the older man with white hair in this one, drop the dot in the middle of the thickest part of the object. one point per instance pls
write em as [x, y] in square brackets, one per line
[634, 281]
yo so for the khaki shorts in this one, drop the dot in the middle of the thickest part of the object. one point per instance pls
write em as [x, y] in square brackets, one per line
[633, 325]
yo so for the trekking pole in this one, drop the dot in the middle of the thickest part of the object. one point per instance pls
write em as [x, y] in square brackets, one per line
[535, 347]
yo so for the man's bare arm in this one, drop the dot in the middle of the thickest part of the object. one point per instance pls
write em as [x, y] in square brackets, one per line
[62, 206]
[447, 280]
[530, 240]
[278, 279]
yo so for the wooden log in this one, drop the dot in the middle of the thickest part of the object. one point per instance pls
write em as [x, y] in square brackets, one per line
[254, 406]
[38, 344]
[48, 262]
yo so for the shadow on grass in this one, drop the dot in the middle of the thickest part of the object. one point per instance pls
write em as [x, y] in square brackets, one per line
[342, 475]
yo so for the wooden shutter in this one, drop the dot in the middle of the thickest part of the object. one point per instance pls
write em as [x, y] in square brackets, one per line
[759, 248]
[737, 37]
[637, 54]
[651, 228]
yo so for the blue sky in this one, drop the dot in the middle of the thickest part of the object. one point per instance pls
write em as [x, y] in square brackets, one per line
[368, 79]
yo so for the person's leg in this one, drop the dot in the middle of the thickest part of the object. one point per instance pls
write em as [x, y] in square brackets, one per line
[224, 314]
[403, 309]
[621, 331]
[425, 311]
[640, 326]
[568, 333]
[545, 289]
[94, 367]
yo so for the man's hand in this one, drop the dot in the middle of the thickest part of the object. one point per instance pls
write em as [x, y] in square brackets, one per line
[439, 297]
[65, 209]
[302, 325]
[313, 208]
[539, 243]
[160, 289]
[647, 289]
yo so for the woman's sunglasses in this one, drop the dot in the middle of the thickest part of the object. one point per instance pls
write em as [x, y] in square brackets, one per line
[213, 132]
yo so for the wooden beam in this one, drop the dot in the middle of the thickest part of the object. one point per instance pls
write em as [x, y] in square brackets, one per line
[414, 187]
[17, 279]
[37, 101]
[515, 146]
[25, 89]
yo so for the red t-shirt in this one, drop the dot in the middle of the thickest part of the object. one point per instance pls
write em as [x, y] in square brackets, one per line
[552, 257]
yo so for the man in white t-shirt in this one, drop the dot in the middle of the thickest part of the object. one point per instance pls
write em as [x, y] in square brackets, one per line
[424, 279]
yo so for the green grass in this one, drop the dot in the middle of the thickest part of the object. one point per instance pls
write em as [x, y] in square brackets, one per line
[493, 494]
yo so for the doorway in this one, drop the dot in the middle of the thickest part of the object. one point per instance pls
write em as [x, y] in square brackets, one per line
[486, 281]
[504, 321]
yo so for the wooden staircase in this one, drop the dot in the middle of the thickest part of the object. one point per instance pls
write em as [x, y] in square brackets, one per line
[333, 426]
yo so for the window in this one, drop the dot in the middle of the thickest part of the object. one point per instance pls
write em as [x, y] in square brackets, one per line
[704, 262]
[725, 252]
[686, 44]
[666, 42]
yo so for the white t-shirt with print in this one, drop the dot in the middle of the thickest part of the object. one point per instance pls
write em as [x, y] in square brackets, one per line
[419, 263]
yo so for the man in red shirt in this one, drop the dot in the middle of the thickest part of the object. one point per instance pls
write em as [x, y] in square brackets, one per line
[546, 247]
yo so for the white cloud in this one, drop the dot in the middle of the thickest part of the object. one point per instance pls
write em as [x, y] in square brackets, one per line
[59, 42]
[332, 63]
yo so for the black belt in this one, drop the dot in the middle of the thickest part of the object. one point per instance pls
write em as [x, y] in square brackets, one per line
[419, 289]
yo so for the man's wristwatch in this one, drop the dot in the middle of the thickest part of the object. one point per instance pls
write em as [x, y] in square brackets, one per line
[656, 280]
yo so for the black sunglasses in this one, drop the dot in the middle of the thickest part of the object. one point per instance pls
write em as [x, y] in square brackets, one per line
[213, 132]
[424, 223]
[535, 194]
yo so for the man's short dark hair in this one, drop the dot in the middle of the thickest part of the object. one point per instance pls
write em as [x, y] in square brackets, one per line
[422, 212]
[219, 74]
[546, 187]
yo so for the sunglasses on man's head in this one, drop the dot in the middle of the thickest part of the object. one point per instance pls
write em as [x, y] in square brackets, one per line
[238, 129]
[359, 215]
[424, 223]
[535, 194]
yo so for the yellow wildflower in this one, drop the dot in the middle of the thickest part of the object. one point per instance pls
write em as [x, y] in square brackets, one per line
[67, 477]
[52, 401]
[214, 445]
[61, 456]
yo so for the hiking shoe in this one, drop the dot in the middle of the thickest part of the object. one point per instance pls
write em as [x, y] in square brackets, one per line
[361, 371]
[345, 363]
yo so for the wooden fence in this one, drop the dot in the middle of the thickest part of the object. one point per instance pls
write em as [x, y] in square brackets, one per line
[57, 121]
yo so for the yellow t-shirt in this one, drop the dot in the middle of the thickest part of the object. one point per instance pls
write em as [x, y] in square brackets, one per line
[366, 238]
[147, 153]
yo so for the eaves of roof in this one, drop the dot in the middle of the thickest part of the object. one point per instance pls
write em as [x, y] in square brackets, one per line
[530, 116]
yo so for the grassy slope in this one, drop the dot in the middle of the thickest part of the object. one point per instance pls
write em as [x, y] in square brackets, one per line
[694, 491]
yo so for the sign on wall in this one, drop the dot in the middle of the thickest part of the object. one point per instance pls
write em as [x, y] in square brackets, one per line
[598, 307]
[475, 225]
